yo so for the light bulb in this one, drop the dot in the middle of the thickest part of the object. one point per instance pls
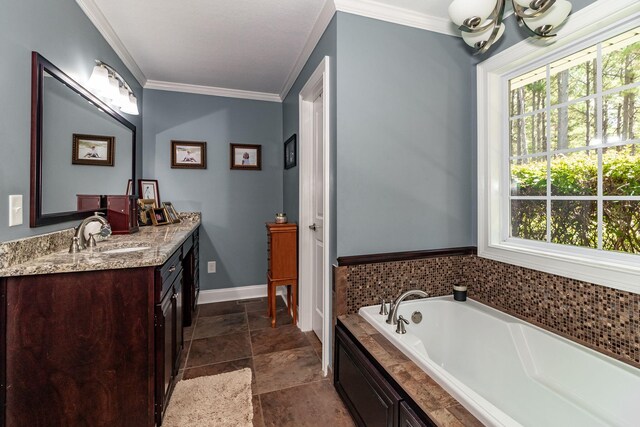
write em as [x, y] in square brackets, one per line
[473, 39]
[113, 89]
[131, 107]
[122, 99]
[99, 79]
[553, 18]
[460, 10]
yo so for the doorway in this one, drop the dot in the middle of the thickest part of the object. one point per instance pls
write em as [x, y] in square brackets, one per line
[314, 153]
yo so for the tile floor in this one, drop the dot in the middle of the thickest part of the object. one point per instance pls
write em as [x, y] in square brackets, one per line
[288, 386]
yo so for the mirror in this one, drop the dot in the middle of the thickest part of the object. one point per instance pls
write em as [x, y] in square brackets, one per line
[80, 147]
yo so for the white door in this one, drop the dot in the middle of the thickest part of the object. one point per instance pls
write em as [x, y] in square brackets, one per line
[318, 217]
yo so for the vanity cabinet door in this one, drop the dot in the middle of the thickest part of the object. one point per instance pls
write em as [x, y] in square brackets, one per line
[165, 319]
[409, 418]
[178, 323]
[371, 400]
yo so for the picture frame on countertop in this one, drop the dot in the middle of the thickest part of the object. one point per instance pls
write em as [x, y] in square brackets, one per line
[159, 216]
[171, 211]
[148, 189]
[129, 188]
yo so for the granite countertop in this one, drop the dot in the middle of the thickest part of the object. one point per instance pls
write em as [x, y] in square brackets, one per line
[440, 406]
[162, 241]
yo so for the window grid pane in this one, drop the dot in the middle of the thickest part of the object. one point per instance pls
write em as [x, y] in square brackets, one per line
[574, 152]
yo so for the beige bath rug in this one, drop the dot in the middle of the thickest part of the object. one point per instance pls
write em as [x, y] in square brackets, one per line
[214, 401]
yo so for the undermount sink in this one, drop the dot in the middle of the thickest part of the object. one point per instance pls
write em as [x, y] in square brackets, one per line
[125, 250]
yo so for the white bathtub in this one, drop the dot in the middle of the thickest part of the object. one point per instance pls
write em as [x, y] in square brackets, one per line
[510, 373]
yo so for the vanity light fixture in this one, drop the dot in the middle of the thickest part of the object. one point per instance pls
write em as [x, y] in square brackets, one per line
[481, 20]
[106, 83]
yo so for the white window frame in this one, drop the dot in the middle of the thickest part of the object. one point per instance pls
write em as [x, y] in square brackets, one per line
[597, 22]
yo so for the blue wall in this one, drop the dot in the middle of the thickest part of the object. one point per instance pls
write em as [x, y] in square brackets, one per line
[235, 204]
[61, 32]
[405, 148]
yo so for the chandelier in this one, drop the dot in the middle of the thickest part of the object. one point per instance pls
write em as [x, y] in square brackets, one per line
[481, 20]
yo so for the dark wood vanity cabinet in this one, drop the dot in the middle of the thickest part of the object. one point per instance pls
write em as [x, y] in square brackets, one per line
[191, 267]
[95, 348]
[168, 330]
[372, 399]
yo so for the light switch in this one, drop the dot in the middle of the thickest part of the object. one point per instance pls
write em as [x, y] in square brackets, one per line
[15, 210]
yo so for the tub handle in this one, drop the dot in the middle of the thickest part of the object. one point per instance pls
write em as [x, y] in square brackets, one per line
[401, 329]
[383, 308]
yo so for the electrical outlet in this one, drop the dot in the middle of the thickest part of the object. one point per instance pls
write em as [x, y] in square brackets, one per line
[15, 210]
[211, 267]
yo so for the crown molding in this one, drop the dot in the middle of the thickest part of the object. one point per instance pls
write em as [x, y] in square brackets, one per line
[212, 90]
[324, 18]
[396, 15]
[95, 15]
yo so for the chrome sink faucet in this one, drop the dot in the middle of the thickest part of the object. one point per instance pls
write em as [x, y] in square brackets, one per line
[79, 242]
[392, 318]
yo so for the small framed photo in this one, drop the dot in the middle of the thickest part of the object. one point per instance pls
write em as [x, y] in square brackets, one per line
[188, 155]
[159, 216]
[147, 203]
[290, 152]
[144, 217]
[246, 156]
[148, 189]
[95, 150]
[171, 212]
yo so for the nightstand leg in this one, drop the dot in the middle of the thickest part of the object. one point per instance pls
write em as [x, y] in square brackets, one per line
[294, 291]
[273, 305]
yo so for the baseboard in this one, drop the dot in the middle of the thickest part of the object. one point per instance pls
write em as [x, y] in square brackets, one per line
[231, 294]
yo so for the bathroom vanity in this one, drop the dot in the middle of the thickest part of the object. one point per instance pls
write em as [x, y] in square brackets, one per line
[95, 338]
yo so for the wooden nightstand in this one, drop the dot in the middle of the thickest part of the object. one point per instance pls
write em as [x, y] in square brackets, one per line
[282, 253]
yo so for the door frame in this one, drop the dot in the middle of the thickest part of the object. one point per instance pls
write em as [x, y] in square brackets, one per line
[319, 79]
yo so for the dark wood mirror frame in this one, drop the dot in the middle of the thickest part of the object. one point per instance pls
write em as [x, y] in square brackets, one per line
[38, 67]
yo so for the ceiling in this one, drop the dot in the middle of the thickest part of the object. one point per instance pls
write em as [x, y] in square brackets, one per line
[244, 48]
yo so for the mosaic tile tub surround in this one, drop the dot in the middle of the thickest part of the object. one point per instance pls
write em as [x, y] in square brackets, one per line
[599, 317]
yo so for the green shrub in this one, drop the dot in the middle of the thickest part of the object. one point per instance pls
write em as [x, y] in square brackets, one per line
[574, 222]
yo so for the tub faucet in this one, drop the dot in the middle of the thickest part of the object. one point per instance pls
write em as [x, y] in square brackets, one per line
[79, 242]
[392, 319]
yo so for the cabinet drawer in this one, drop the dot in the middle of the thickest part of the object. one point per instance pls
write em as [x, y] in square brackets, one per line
[187, 245]
[168, 273]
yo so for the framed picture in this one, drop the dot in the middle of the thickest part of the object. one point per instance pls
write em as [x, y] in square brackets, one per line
[144, 216]
[188, 155]
[171, 211]
[159, 216]
[290, 152]
[148, 189]
[95, 150]
[147, 203]
[129, 188]
[246, 156]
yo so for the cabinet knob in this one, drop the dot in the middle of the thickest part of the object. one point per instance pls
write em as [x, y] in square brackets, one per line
[172, 269]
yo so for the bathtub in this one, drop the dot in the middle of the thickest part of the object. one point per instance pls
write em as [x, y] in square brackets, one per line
[510, 373]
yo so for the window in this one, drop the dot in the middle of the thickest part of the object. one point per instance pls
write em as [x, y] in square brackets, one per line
[559, 150]
[574, 148]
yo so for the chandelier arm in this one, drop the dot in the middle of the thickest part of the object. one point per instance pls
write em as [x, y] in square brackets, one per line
[497, 16]
[532, 13]
[520, 15]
